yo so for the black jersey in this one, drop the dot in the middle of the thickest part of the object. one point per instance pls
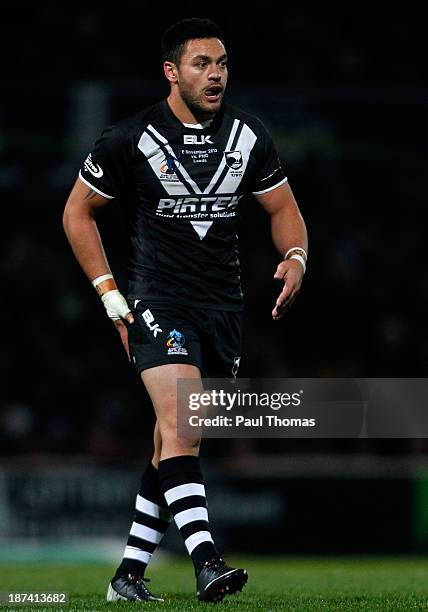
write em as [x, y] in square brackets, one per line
[180, 187]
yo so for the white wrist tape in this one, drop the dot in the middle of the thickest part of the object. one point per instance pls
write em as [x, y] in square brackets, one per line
[299, 258]
[100, 279]
[298, 249]
[115, 304]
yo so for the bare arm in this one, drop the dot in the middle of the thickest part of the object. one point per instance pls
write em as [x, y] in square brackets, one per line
[288, 231]
[81, 229]
[84, 238]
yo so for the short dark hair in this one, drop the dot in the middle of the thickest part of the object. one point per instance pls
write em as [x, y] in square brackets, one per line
[175, 37]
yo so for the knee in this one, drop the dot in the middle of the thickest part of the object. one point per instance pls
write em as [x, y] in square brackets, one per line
[170, 439]
[190, 444]
[168, 435]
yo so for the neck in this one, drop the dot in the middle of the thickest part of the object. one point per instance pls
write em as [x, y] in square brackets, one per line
[183, 112]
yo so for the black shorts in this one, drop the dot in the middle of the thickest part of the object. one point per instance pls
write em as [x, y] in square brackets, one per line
[164, 333]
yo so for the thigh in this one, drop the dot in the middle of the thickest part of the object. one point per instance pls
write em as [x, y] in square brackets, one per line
[161, 385]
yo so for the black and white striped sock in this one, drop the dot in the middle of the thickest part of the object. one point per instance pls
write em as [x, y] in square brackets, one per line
[182, 484]
[151, 520]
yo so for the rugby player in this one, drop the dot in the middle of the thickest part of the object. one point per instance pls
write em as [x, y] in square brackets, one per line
[181, 169]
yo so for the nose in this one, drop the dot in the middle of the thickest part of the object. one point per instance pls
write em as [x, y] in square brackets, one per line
[215, 74]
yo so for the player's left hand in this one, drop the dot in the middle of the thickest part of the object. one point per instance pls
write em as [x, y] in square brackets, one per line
[291, 271]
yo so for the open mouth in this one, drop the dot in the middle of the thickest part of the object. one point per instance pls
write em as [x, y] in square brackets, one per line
[213, 93]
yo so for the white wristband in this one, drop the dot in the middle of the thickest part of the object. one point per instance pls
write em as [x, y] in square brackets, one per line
[299, 258]
[100, 279]
[305, 255]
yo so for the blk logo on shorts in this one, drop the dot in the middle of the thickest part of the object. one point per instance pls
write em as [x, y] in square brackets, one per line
[149, 319]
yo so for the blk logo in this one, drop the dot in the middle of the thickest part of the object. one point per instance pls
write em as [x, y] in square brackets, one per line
[193, 139]
[149, 319]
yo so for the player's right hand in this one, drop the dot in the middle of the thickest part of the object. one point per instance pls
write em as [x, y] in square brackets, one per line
[116, 306]
[117, 310]
[123, 333]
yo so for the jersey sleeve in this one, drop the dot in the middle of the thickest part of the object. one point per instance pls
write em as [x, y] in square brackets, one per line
[269, 172]
[106, 167]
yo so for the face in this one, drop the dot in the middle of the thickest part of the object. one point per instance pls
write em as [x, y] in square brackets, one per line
[202, 75]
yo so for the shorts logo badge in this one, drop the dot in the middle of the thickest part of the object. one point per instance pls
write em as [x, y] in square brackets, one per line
[235, 367]
[175, 343]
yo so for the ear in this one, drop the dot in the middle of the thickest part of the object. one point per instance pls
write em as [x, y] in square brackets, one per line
[171, 72]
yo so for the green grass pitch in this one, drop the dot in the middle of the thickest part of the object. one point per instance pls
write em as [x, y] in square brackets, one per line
[275, 584]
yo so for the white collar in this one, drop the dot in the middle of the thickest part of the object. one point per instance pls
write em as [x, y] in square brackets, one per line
[198, 126]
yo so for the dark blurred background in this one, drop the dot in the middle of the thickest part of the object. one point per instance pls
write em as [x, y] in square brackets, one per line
[344, 94]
